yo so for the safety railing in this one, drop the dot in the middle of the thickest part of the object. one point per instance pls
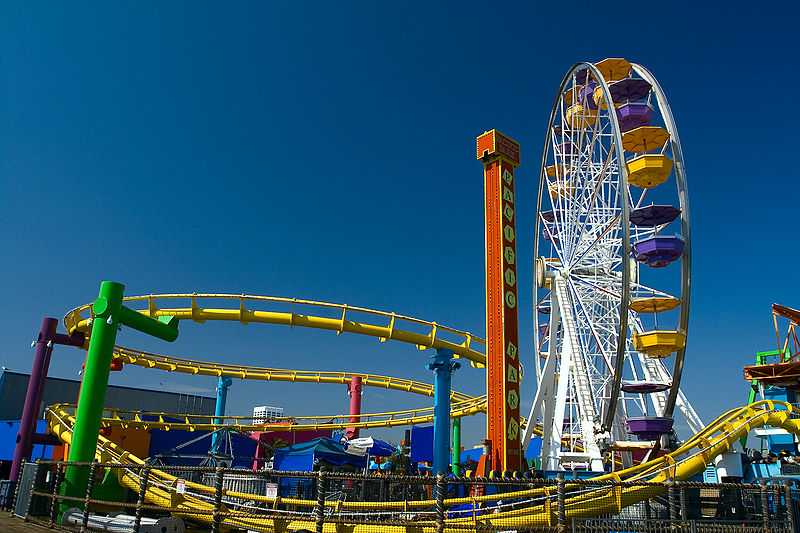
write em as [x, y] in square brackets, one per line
[296, 312]
[139, 498]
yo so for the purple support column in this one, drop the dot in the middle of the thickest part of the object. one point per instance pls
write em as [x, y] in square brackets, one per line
[33, 397]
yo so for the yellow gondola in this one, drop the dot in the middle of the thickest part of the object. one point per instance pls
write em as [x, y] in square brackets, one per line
[645, 138]
[659, 343]
[649, 170]
[561, 190]
[654, 304]
[552, 170]
[614, 68]
[579, 116]
[599, 97]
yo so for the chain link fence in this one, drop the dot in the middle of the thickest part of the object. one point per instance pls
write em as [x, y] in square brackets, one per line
[144, 498]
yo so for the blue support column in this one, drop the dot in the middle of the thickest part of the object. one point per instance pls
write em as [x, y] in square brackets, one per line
[219, 410]
[443, 366]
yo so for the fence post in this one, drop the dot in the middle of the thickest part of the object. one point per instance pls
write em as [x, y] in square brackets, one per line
[87, 499]
[787, 496]
[441, 489]
[216, 517]
[144, 479]
[764, 505]
[54, 500]
[672, 501]
[34, 477]
[561, 507]
[319, 510]
[16, 483]
[682, 500]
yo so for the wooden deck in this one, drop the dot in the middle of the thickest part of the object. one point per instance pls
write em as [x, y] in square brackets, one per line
[12, 524]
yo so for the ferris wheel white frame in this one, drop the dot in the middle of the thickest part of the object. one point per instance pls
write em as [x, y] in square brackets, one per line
[593, 416]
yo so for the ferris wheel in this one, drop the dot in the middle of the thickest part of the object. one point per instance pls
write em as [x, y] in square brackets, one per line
[613, 253]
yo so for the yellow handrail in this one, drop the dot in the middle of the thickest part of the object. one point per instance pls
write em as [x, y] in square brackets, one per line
[461, 343]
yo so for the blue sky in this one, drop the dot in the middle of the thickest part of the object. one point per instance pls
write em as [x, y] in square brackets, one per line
[326, 151]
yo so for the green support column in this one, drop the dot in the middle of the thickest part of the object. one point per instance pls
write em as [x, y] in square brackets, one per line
[108, 314]
[93, 389]
[455, 460]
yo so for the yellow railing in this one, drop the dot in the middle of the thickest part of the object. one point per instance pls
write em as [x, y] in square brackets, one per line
[383, 325]
[169, 363]
[128, 419]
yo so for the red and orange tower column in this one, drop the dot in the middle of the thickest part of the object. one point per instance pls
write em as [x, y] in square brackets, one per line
[500, 156]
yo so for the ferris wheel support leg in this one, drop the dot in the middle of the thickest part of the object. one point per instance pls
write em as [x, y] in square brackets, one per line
[573, 369]
[544, 396]
[544, 401]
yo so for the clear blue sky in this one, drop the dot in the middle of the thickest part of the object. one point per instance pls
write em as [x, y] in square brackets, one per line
[326, 151]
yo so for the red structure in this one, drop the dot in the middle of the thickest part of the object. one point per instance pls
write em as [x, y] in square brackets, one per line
[500, 156]
[354, 389]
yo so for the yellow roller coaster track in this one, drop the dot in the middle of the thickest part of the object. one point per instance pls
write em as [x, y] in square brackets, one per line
[686, 461]
[393, 327]
[169, 363]
[381, 324]
[185, 422]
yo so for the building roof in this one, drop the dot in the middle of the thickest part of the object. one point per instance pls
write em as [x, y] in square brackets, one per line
[13, 386]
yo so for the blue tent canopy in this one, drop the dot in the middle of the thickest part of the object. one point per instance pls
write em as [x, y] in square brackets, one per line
[302, 456]
[381, 449]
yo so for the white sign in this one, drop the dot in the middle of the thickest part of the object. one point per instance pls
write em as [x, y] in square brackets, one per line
[180, 486]
[272, 490]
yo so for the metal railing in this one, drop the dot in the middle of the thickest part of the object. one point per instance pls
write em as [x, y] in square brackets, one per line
[266, 500]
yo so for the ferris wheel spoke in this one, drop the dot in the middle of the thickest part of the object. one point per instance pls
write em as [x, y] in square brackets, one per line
[640, 288]
[615, 294]
[597, 239]
[582, 310]
[597, 186]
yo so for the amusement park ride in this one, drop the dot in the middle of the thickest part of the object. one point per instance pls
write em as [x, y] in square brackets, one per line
[605, 218]
[612, 285]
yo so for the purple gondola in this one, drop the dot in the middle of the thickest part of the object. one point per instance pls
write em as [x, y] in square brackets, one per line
[548, 216]
[632, 115]
[649, 427]
[543, 308]
[658, 251]
[644, 387]
[582, 75]
[629, 89]
[654, 215]
[585, 95]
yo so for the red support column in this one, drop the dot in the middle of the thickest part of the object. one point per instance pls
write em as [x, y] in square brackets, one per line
[500, 156]
[354, 391]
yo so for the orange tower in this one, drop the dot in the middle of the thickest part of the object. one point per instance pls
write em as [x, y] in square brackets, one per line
[500, 156]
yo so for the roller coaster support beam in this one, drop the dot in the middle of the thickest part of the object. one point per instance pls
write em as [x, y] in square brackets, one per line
[455, 460]
[33, 397]
[500, 156]
[223, 384]
[443, 366]
[354, 389]
[108, 315]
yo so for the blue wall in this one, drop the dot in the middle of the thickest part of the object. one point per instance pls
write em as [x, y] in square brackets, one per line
[8, 440]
